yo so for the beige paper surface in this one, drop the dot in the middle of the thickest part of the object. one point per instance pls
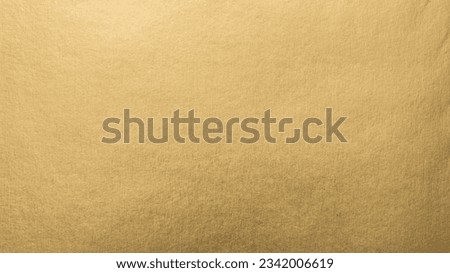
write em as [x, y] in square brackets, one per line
[65, 66]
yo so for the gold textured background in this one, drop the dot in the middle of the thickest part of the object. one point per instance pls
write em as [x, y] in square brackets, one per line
[67, 65]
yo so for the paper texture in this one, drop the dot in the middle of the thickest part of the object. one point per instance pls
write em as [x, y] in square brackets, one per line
[65, 66]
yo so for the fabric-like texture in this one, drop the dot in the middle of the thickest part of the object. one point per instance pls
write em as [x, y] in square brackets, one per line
[65, 66]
